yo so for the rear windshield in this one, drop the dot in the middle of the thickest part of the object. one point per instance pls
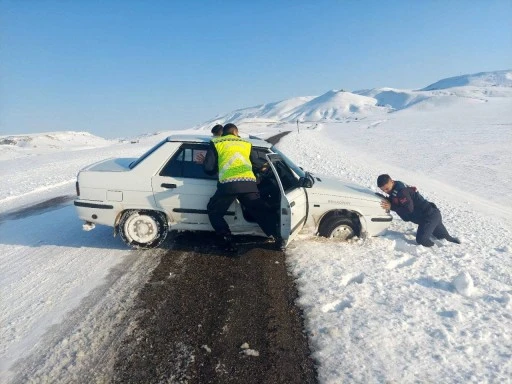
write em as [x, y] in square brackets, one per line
[140, 159]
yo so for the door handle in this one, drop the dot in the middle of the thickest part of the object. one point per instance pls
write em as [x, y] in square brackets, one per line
[164, 185]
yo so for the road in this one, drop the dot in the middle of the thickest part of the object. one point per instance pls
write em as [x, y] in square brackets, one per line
[201, 306]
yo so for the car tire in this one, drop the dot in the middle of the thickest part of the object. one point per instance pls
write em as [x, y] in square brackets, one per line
[338, 227]
[142, 229]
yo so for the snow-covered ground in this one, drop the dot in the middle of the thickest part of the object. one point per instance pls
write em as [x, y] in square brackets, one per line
[376, 310]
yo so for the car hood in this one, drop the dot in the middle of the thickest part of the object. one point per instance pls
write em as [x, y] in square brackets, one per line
[111, 165]
[329, 186]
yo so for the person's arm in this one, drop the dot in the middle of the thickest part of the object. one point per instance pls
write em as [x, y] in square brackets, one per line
[257, 163]
[385, 203]
[405, 200]
[403, 204]
[199, 158]
[210, 166]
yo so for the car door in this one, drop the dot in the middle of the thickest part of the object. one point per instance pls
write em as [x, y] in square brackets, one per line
[294, 199]
[182, 189]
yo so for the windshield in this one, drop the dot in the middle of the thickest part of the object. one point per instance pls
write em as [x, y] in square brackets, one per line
[298, 171]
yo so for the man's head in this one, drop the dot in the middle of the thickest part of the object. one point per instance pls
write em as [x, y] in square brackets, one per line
[385, 183]
[217, 130]
[230, 129]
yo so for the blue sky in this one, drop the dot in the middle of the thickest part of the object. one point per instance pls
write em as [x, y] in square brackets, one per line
[122, 68]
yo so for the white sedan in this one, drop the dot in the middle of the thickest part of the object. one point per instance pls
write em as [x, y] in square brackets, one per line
[166, 190]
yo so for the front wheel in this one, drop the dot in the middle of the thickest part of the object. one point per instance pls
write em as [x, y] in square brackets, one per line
[337, 227]
[143, 229]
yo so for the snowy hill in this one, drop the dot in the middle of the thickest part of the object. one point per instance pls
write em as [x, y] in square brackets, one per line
[334, 105]
[337, 106]
[394, 98]
[482, 79]
[39, 143]
[271, 112]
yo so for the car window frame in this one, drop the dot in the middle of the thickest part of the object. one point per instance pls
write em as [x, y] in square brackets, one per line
[181, 151]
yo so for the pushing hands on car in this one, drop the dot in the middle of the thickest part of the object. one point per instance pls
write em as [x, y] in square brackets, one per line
[385, 204]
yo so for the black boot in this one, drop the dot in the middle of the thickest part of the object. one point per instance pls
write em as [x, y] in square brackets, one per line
[427, 243]
[226, 243]
[280, 244]
[452, 239]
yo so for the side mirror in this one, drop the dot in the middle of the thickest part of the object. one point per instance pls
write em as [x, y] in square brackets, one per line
[305, 182]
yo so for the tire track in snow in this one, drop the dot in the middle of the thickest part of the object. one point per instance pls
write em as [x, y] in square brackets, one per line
[82, 348]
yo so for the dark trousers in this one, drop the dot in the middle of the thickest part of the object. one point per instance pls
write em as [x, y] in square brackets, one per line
[432, 224]
[257, 208]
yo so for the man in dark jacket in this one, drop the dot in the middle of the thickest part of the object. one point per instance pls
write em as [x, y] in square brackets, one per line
[217, 130]
[230, 157]
[407, 202]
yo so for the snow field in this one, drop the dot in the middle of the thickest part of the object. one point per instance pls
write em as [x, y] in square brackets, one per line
[385, 309]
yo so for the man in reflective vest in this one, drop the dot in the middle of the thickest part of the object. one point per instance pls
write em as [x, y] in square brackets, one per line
[230, 157]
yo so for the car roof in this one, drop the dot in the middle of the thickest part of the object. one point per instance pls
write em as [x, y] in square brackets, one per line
[255, 141]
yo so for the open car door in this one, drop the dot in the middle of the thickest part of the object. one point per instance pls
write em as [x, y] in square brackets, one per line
[294, 199]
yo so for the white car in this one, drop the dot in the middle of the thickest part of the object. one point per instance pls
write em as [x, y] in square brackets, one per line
[166, 190]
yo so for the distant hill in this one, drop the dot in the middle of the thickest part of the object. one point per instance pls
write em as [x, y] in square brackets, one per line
[61, 139]
[336, 105]
[394, 98]
[47, 142]
[482, 79]
[333, 105]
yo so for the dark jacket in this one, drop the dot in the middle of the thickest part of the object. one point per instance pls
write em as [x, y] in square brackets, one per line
[211, 167]
[407, 202]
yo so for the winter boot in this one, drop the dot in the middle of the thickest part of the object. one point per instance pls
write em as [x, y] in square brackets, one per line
[427, 243]
[279, 244]
[226, 243]
[452, 239]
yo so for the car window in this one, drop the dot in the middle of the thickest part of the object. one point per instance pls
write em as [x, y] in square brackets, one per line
[188, 163]
[258, 157]
[286, 175]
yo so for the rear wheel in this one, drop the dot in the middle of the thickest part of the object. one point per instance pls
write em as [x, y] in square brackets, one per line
[338, 227]
[143, 229]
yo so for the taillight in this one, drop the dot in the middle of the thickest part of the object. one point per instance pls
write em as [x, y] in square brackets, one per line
[77, 189]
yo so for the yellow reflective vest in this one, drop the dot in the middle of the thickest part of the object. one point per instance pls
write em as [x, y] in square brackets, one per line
[233, 156]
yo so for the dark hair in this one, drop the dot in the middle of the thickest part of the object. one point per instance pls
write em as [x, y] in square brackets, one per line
[229, 129]
[217, 130]
[382, 180]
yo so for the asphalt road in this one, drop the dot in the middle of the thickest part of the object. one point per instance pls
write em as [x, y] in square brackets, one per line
[199, 309]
